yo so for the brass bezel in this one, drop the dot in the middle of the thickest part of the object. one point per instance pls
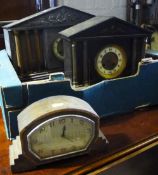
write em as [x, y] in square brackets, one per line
[113, 73]
[55, 49]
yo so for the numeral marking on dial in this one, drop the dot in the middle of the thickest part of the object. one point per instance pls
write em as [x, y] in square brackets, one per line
[89, 130]
[61, 121]
[42, 129]
[72, 120]
[62, 150]
[40, 151]
[51, 124]
[81, 122]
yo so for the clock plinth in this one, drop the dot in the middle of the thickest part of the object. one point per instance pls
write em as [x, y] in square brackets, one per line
[18, 162]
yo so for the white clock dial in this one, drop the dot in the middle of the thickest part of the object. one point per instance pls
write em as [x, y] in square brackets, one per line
[60, 136]
[111, 61]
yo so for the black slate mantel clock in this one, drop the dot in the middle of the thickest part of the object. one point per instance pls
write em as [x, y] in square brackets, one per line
[102, 48]
[33, 43]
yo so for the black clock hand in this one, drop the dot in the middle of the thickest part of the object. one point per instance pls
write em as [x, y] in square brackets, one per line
[63, 134]
[64, 129]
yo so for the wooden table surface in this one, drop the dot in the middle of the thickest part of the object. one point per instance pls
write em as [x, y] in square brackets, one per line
[121, 131]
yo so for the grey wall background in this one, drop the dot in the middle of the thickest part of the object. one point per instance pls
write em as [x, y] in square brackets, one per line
[99, 7]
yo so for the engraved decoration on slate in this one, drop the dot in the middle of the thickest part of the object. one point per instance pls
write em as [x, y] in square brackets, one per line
[66, 16]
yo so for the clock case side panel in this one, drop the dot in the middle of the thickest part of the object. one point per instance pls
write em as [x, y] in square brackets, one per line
[83, 63]
[77, 62]
[68, 58]
[137, 52]
[10, 45]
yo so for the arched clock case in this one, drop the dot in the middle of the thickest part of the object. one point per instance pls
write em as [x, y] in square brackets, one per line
[52, 129]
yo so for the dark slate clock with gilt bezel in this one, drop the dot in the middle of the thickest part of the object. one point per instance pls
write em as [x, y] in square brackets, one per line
[102, 48]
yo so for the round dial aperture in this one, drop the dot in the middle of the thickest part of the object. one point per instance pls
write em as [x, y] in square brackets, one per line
[111, 61]
[62, 135]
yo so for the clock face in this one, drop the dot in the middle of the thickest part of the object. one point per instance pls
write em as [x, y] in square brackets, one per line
[58, 49]
[111, 61]
[62, 135]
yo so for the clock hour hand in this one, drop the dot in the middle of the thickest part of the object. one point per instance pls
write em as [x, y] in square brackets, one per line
[63, 133]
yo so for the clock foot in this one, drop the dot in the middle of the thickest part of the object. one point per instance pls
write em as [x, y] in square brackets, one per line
[18, 162]
[100, 144]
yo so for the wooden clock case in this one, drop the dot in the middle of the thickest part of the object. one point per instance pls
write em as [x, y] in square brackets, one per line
[21, 156]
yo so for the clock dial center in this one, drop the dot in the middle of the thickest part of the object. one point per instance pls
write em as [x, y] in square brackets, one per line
[110, 61]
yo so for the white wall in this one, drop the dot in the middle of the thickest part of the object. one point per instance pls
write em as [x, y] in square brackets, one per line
[99, 7]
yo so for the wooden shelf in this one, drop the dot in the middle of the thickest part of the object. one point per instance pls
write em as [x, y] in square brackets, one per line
[127, 134]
